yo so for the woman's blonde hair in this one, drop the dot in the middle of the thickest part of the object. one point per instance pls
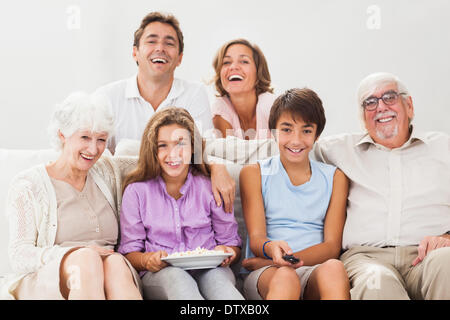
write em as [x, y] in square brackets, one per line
[148, 165]
[262, 70]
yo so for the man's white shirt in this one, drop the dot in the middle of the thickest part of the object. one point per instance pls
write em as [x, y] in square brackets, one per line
[396, 197]
[132, 112]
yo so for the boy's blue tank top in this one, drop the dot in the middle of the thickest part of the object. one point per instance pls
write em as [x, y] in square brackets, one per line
[295, 214]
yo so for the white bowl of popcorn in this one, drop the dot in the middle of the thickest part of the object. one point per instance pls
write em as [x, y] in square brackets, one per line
[199, 258]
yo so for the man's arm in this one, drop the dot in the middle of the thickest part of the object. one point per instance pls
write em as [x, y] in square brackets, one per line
[429, 244]
[201, 111]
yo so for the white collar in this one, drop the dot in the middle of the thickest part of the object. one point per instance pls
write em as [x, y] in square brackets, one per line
[415, 135]
[132, 90]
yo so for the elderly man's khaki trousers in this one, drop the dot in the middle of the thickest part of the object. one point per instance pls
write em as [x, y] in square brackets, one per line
[387, 273]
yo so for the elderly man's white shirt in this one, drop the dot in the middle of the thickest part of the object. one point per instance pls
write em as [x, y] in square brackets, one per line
[132, 112]
[396, 197]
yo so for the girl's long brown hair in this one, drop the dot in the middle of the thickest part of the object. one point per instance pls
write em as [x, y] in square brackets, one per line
[148, 165]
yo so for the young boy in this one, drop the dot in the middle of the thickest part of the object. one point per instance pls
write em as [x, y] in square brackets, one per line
[294, 210]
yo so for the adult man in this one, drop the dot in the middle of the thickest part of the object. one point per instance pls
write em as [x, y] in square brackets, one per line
[398, 213]
[158, 51]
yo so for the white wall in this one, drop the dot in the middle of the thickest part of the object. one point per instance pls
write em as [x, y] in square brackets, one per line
[327, 45]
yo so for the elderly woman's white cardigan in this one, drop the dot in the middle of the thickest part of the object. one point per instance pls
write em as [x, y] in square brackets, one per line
[31, 210]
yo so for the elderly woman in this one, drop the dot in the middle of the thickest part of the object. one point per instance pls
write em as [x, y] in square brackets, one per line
[245, 97]
[63, 215]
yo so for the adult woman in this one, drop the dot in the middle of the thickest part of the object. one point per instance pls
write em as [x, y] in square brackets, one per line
[244, 94]
[63, 215]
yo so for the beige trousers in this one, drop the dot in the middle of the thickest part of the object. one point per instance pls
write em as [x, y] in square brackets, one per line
[387, 273]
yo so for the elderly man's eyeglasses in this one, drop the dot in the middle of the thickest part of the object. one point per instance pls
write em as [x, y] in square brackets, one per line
[389, 98]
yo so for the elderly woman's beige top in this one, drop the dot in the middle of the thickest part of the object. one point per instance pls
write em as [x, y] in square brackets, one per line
[84, 217]
[32, 213]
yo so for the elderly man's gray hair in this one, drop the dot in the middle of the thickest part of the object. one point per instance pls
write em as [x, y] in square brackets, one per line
[80, 111]
[373, 82]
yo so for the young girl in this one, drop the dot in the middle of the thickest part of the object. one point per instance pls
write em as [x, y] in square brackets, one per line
[294, 206]
[168, 206]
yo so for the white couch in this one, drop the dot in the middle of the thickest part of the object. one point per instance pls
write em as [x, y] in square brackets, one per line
[232, 152]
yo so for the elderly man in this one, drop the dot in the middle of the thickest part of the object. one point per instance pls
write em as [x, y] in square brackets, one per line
[396, 237]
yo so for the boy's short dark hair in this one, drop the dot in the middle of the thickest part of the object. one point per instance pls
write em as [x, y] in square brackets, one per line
[299, 102]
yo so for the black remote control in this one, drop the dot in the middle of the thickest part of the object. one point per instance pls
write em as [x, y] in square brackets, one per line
[290, 258]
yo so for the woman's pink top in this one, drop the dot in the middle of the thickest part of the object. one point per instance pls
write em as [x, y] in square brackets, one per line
[222, 107]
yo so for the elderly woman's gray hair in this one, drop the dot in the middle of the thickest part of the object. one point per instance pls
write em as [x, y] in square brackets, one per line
[80, 111]
[373, 82]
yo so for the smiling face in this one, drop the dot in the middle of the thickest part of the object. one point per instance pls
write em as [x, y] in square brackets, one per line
[158, 53]
[295, 138]
[388, 125]
[174, 151]
[83, 148]
[238, 71]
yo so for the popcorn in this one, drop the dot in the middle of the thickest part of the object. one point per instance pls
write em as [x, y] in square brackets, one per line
[197, 251]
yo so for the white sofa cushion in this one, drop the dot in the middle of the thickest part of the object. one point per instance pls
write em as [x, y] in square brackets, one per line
[241, 151]
[127, 147]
